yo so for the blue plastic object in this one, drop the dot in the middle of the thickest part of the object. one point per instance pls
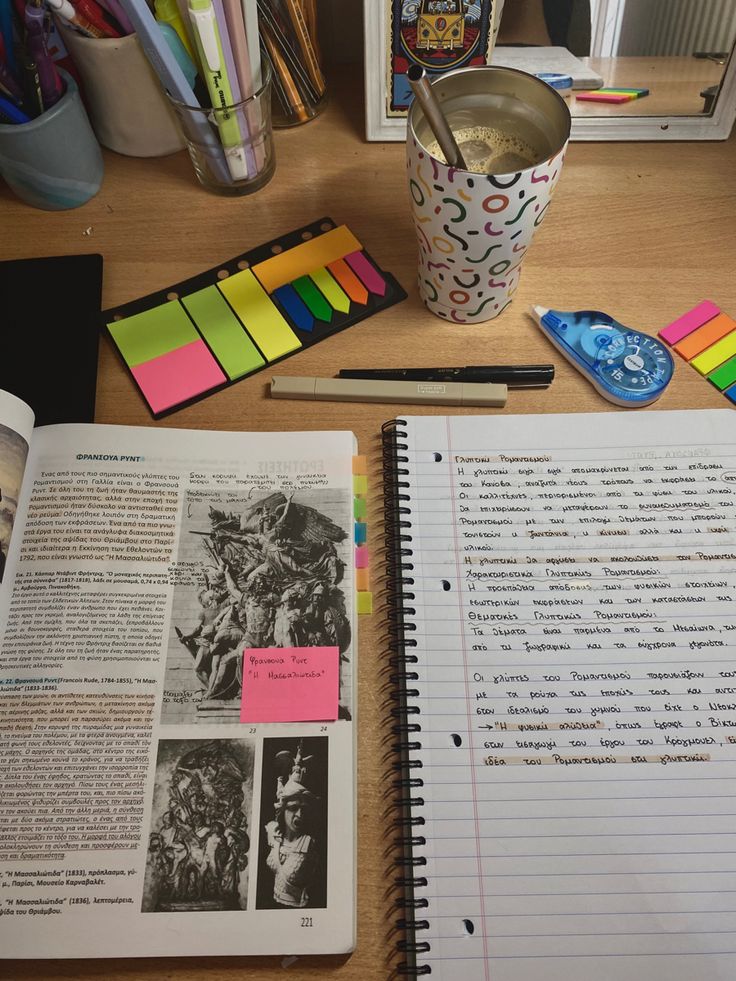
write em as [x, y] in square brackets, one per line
[625, 366]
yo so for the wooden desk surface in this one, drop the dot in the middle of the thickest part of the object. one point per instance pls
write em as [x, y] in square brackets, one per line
[643, 231]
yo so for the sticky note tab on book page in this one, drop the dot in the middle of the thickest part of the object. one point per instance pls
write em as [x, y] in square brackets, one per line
[290, 684]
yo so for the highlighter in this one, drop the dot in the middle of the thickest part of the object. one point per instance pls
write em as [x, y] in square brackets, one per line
[176, 46]
[167, 12]
[375, 390]
[214, 71]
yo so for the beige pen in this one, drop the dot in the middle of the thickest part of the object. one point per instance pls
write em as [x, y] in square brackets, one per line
[375, 390]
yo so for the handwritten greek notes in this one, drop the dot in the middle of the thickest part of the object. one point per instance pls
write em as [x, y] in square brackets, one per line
[575, 629]
[290, 684]
[607, 583]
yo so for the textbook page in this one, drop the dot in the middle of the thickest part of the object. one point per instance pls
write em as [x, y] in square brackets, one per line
[16, 427]
[575, 596]
[154, 575]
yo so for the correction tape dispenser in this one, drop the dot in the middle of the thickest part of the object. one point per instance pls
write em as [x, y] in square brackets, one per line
[625, 366]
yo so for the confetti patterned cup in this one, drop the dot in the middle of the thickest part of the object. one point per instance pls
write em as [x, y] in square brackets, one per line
[473, 230]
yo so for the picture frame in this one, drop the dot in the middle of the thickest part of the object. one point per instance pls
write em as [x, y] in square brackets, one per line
[385, 124]
[462, 34]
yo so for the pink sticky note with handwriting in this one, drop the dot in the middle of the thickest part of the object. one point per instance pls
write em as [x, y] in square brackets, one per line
[290, 684]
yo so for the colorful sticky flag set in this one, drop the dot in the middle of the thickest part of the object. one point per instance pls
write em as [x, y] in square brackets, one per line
[363, 595]
[705, 337]
[198, 336]
[613, 95]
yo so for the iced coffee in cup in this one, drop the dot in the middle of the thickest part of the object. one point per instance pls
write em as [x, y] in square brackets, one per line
[474, 225]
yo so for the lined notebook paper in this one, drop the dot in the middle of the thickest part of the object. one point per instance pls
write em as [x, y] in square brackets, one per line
[568, 596]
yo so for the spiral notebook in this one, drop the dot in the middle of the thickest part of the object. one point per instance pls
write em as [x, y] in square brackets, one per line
[565, 664]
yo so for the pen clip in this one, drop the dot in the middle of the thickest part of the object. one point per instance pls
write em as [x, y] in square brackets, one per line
[204, 21]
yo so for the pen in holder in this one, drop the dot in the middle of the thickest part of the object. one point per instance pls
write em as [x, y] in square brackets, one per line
[288, 30]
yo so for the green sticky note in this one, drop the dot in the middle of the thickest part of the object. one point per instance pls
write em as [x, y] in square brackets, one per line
[150, 334]
[359, 508]
[725, 375]
[224, 333]
[318, 305]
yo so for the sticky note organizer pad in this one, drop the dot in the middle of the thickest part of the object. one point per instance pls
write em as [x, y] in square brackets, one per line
[198, 336]
[615, 96]
[705, 337]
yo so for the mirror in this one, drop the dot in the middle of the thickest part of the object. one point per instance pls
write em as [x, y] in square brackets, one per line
[681, 51]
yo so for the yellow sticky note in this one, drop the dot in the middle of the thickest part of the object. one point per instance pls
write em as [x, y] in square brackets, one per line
[360, 485]
[259, 315]
[716, 354]
[364, 603]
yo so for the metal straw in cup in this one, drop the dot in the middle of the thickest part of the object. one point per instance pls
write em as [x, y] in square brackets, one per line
[434, 115]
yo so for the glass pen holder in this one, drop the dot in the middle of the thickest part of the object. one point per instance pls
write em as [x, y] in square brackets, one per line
[231, 147]
[288, 31]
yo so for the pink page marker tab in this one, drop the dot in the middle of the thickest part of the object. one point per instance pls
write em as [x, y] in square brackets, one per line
[689, 322]
[367, 274]
[361, 557]
[290, 684]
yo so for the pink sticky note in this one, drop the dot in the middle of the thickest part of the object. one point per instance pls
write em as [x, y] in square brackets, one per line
[178, 375]
[290, 684]
[361, 557]
[368, 275]
[689, 322]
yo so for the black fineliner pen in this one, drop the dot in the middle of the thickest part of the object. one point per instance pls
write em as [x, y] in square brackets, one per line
[513, 375]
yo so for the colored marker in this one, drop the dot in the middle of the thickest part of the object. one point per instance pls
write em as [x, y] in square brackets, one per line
[93, 13]
[167, 12]
[51, 85]
[69, 15]
[10, 113]
[212, 58]
[367, 390]
[173, 79]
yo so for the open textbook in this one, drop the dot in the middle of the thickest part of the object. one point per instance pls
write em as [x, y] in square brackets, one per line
[565, 611]
[150, 576]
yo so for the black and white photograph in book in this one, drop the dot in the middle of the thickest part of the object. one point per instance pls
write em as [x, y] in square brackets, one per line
[254, 570]
[13, 453]
[292, 852]
[199, 835]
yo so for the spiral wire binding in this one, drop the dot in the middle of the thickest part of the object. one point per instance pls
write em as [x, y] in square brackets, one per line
[406, 821]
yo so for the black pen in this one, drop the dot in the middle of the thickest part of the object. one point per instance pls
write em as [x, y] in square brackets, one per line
[32, 98]
[513, 375]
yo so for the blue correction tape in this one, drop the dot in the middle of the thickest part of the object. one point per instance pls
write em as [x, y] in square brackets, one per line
[625, 366]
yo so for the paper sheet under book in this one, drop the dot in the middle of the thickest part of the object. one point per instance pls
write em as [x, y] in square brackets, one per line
[577, 688]
[533, 59]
